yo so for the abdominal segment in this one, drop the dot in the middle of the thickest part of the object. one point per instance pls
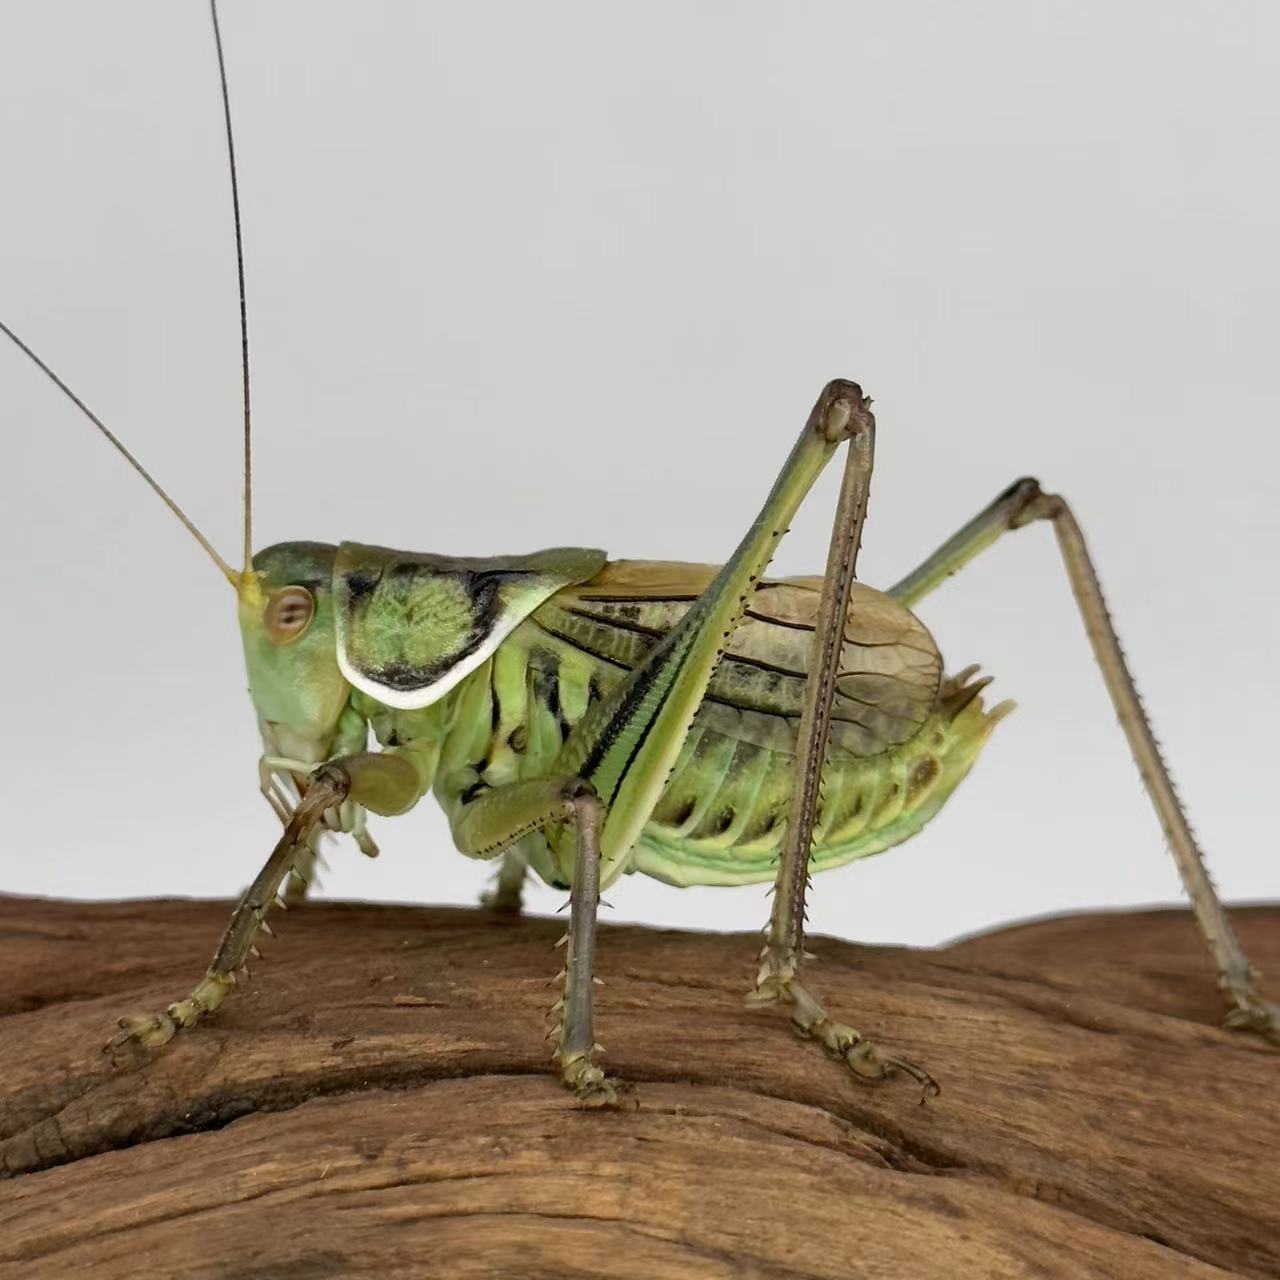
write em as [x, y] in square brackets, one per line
[722, 817]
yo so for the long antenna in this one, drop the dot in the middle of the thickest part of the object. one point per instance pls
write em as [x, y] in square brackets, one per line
[244, 311]
[129, 458]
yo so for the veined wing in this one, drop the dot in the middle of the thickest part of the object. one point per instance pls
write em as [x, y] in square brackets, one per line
[890, 667]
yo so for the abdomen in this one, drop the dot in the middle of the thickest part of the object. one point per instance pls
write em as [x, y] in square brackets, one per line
[722, 816]
[902, 735]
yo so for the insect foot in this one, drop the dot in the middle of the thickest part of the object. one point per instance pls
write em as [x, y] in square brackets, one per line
[1260, 1018]
[588, 1081]
[810, 1021]
[155, 1030]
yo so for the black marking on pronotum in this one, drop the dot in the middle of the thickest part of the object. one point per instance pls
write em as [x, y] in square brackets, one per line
[482, 590]
[360, 585]
[405, 677]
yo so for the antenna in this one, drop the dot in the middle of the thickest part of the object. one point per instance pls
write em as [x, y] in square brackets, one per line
[244, 313]
[230, 573]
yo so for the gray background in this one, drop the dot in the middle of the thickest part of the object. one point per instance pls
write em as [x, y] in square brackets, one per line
[531, 274]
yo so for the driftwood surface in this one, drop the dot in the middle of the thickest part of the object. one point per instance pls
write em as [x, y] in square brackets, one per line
[377, 1102]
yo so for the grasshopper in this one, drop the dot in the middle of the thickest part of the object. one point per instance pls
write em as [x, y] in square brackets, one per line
[583, 718]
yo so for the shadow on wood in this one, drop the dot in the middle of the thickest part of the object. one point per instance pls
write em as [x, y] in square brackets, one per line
[377, 1102]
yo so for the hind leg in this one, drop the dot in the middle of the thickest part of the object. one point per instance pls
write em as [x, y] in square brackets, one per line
[1021, 504]
[778, 980]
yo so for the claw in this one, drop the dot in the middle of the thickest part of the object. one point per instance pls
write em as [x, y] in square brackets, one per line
[1261, 1019]
[592, 1087]
[154, 1030]
[145, 1030]
[865, 1059]
[810, 1021]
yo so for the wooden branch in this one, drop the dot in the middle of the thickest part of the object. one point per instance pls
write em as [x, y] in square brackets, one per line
[377, 1102]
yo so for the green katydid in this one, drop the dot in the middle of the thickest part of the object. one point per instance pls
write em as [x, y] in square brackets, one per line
[586, 718]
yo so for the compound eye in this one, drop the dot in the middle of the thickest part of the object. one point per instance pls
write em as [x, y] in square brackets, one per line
[289, 613]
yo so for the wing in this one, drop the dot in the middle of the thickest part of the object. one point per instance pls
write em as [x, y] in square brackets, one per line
[890, 667]
[411, 625]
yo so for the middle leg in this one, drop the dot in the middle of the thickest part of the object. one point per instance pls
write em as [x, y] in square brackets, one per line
[492, 823]
[506, 897]
[1020, 505]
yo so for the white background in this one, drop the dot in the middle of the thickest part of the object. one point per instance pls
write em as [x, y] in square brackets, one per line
[522, 275]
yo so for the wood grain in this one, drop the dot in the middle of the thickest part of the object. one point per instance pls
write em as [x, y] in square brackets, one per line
[377, 1103]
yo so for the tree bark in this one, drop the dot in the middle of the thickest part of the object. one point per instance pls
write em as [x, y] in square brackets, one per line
[378, 1102]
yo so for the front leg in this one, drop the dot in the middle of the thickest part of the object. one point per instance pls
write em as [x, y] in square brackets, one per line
[277, 781]
[281, 780]
[383, 782]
